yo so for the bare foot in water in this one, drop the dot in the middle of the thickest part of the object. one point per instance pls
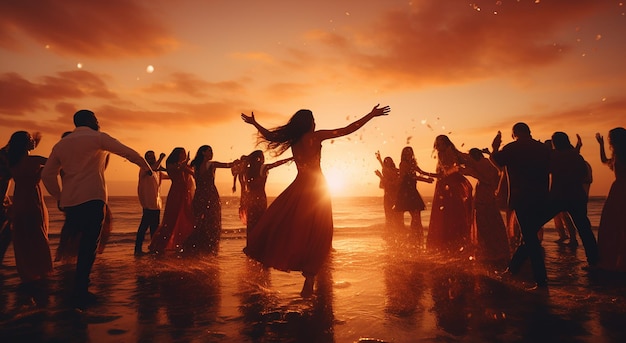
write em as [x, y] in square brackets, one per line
[307, 288]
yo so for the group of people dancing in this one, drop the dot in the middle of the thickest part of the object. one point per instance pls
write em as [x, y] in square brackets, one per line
[539, 181]
[294, 233]
[192, 219]
[460, 219]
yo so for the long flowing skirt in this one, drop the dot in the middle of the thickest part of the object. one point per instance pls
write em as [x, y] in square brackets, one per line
[296, 231]
[612, 229]
[451, 216]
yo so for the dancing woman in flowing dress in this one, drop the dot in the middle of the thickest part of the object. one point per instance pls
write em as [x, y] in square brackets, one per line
[177, 223]
[489, 232]
[612, 228]
[296, 231]
[30, 215]
[451, 216]
[206, 204]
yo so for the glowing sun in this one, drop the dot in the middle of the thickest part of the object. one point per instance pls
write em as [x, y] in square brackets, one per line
[336, 180]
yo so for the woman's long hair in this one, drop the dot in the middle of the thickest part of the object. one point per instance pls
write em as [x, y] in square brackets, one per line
[281, 138]
[199, 158]
[174, 156]
[617, 140]
[20, 144]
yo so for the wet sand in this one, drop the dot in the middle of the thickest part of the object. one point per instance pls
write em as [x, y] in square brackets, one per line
[377, 287]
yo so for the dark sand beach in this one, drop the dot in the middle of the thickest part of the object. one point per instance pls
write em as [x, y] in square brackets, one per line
[377, 288]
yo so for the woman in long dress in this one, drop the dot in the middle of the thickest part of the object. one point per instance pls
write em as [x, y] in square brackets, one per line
[255, 177]
[206, 204]
[451, 216]
[30, 215]
[612, 228]
[296, 231]
[178, 219]
[489, 232]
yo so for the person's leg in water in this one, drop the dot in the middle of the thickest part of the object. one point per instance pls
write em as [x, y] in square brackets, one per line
[417, 227]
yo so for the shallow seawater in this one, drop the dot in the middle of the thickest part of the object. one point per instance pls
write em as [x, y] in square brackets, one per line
[378, 286]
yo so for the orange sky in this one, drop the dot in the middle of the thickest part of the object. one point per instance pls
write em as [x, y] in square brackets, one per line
[466, 69]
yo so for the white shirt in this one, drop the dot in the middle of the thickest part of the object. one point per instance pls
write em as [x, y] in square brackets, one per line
[148, 190]
[82, 156]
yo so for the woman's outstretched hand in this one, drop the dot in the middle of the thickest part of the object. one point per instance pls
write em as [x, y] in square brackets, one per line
[599, 138]
[248, 119]
[380, 111]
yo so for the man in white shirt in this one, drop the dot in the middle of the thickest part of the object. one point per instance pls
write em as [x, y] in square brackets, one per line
[148, 190]
[82, 155]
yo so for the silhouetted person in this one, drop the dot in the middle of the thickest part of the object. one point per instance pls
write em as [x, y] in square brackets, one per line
[177, 223]
[29, 212]
[408, 199]
[527, 162]
[567, 192]
[451, 215]
[255, 178]
[489, 228]
[612, 228]
[149, 193]
[5, 203]
[207, 205]
[82, 156]
[296, 231]
[390, 183]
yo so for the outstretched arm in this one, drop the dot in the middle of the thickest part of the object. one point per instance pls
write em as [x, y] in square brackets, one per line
[376, 111]
[278, 163]
[251, 120]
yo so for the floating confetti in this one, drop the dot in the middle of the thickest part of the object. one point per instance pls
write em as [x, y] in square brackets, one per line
[149, 69]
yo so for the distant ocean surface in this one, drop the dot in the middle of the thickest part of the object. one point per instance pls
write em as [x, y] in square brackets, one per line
[348, 213]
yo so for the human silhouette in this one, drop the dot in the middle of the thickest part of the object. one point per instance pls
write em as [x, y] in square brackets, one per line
[30, 215]
[527, 164]
[237, 170]
[255, 176]
[408, 198]
[612, 228]
[177, 223]
[567, 193]
[82, 156]
[451, 216]
[5, 203]
[296, 231]
[489, 228]
[389, 176]
[206, 204]
[149, 194]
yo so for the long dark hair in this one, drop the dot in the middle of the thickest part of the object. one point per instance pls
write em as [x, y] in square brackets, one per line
[174, 156]
[281, 138]
[617, 139]
[20, 144]
[199, 158]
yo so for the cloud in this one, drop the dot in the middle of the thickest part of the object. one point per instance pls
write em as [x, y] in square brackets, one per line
[450, 42]
[21, 96]
[188, 84]
[96, 29]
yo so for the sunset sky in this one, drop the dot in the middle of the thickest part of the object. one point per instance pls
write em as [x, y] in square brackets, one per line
[161, 74]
